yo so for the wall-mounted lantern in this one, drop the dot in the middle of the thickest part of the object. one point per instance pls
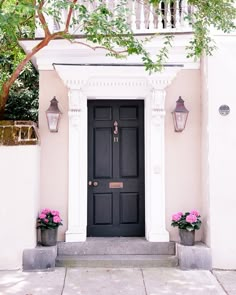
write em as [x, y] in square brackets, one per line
[53, 114]
[180, 115]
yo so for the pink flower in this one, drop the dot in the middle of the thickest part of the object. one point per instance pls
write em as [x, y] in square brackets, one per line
[42, 216]
[55, 213]
[56, 219]
[46, 220]
[46, 211]
[191, 218]
[180, 213]
[176, 217]
[195, 212]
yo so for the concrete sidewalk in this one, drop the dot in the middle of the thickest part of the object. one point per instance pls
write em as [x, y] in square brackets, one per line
[101, 281]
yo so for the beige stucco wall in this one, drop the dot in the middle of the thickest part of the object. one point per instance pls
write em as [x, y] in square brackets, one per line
[183, 155]
[54, 149]
[183, 188]
[19, 175]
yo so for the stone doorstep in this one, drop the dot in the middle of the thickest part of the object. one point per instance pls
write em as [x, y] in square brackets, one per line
[116, 246]
[117, 261]
[117, 252]
[39, 258]
[103, 252]
[194, 257]
[46, 258]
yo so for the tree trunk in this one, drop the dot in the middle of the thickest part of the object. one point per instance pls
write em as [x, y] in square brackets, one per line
[3, 99]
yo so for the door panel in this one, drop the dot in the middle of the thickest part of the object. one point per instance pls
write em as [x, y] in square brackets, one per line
[129, 156]
[128, 113]
[129, 208]
[116, 168]
[103, 113]
[103, 146]
[102, 216]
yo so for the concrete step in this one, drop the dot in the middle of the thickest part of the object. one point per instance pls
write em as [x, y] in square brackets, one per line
[116, 246]
[117, 261]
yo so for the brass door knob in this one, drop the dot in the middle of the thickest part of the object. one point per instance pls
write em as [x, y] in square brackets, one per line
[92, 183]
[95, 183]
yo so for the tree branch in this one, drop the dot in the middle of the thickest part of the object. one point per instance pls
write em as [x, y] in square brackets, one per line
[42, 18]
[116, 52]
[26, 20]
[69, 15]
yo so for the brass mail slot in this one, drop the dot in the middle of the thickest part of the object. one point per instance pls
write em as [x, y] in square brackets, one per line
[116, 185]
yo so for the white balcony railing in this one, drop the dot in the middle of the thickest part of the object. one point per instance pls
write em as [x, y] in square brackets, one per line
[144, 18]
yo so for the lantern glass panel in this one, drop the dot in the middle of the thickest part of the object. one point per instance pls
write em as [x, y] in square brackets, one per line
[53, 120]
[180, 119]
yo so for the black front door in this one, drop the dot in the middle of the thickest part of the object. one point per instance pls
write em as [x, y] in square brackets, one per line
[115, 168]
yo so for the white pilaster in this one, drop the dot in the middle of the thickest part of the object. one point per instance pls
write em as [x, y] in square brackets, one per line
[77, 203]
[155, 169]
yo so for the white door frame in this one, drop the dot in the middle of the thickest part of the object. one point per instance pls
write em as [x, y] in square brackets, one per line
[108, 82]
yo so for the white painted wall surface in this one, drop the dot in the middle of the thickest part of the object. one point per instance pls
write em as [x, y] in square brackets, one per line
[19, 179]
[206, 225]
[222, 152]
